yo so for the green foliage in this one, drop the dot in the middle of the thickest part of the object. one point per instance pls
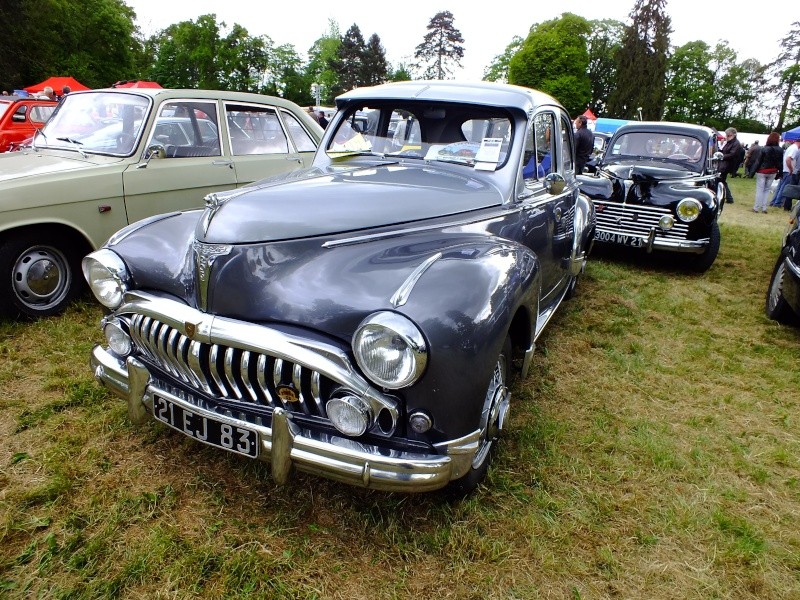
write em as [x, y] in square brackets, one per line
[498, 69]
[322, 59]
[554, 59]
[603, 44]
[94, 41]
[441, 49]
[642, 63]
[349, 62]
[375, 67]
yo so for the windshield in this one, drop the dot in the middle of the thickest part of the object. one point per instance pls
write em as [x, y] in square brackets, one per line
[656, 145]
[96, 122]
[474, 136]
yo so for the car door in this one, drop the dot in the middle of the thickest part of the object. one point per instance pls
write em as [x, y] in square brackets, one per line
[547, 222]
[194, 162]
[264, 141]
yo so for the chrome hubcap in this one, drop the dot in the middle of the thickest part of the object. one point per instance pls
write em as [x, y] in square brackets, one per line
[495, 411]
[775, 289]
[40, 277]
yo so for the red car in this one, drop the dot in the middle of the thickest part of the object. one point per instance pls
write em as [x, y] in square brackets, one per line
[21, 117]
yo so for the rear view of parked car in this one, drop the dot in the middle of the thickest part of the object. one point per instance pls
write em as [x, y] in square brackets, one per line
[107, 158]
[359, 320]
[783, 293]
[20, 118]
[657, 188]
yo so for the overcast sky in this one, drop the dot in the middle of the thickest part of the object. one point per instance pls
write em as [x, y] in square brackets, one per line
[751, 30]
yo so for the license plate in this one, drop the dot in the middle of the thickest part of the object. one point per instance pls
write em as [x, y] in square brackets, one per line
[618, 238]
[210, 431]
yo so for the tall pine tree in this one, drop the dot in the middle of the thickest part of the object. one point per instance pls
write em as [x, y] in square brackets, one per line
[642, 63]
[350, 60]
[375, 68]
[441, 49]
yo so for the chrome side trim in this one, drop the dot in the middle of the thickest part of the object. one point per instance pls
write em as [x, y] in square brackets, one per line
[400, 297]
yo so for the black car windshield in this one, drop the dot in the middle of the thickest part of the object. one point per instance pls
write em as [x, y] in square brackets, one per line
[96, 122]
[468, 135]
[656, 145]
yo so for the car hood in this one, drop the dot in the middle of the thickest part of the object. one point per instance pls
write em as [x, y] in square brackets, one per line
[643, 172]
[32, 163]
[336, 200]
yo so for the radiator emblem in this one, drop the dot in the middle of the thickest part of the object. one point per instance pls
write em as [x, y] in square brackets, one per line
[190, 329]
[287, 393]
[204, 257]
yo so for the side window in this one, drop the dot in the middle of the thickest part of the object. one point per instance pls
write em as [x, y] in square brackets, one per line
[539, 147]
[40, 114]
[302, 141]
[255, 130]
[567, 151]
[187, 129]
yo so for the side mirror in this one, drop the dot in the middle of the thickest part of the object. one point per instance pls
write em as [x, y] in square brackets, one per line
[554, 183]
[155, 151]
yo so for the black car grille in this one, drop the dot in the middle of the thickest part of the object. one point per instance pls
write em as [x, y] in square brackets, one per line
[229, 373]
[636, 220]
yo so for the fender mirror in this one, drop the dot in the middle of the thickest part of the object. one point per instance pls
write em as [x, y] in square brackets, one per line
[554, 183]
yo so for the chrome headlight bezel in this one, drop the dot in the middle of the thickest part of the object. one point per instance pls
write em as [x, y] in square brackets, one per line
[387, 332]
[688, 210]
[107, 276]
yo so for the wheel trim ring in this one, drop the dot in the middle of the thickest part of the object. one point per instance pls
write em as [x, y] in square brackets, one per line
[22, 267]
[492, 413]
[776, 287]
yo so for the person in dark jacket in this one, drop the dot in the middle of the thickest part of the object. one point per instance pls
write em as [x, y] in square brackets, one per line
[730, 161]
[750, 159]
[768, 164]
[584, 143]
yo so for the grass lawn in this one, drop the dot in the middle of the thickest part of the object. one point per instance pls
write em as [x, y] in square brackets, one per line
[653, 452]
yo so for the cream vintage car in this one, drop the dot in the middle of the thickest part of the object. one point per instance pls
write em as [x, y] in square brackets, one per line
[110, 157]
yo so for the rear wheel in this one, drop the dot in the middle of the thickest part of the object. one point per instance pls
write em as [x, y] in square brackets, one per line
[776, 306]
[40, 278]
[493, 415]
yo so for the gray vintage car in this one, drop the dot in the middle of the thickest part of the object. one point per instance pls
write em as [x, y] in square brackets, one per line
[360, 319]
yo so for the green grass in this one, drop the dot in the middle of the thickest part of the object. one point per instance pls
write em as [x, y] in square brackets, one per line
[653, 452]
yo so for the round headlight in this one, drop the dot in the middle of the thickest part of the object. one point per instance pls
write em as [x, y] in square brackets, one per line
[390, 350]
[666, 222]
[118, 339]
[107, 276]
[349, 414]
[688, 209]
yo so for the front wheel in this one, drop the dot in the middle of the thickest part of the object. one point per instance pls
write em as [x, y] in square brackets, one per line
[702, 262]
[40, 277]
[493, 416]
[777, 308]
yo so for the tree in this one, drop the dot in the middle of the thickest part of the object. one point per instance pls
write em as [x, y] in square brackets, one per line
[322, 60]
[498, 68]
[554, 59]
[642, 63]
[603, 44]
[349, 64]
[441, 49]
[186, 54]
[375, 69]
[92, 40]
[401, 73]
[690, 93]
[786, 69]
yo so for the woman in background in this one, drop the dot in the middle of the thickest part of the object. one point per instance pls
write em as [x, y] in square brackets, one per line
[768, 164]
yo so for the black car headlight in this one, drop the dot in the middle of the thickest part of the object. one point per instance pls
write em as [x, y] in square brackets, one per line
[688, 209]
[390, 350]
[107, 276]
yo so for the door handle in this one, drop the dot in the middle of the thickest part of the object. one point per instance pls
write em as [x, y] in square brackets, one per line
[222, 163]
[295, 158]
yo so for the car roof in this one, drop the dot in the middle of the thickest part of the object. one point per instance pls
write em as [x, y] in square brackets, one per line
[159, 94]
[666, 126]
[485, 93]
[11, 99]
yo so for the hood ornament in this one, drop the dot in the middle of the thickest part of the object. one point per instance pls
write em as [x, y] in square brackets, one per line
[213, 204]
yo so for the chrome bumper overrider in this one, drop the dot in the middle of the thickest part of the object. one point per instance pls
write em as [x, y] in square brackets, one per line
[286, 445]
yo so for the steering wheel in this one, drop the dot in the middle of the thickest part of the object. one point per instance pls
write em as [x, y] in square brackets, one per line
[679, 157]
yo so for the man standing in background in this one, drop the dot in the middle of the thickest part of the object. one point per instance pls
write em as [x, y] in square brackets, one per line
[584, 143]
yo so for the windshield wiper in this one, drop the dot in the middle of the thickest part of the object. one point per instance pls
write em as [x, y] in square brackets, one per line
[75, 143]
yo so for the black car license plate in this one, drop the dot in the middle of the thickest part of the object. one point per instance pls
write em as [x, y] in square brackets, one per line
[210, 431]
[618, 238]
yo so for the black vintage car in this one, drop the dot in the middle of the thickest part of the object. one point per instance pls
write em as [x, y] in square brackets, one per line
[657, 188]
[783, 294]
[360, 319]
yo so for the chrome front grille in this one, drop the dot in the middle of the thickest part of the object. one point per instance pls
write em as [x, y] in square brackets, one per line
[636, 220]
[231, 373]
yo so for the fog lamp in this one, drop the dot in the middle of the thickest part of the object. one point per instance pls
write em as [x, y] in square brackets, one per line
[666, 222]
[420, 422]
[118, 339]
[350, 415]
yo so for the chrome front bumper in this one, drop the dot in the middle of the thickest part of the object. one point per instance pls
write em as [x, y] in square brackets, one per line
[286, 445]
